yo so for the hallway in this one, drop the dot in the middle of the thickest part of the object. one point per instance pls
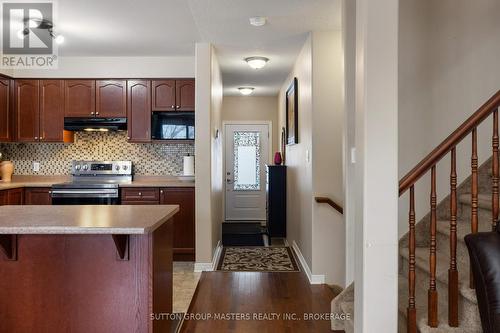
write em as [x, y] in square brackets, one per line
[270, 295]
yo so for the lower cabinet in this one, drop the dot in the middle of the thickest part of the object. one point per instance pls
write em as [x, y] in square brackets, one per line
[37, 196]
[140, 196]
[184, 220]
[12, 197]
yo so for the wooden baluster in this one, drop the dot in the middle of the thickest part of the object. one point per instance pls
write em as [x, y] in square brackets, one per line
[411, 311]
[452, 271]
[432, 295]
[474, 204]
[494, 178]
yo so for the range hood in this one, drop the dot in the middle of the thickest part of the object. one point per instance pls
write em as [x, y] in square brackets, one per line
[95, 124]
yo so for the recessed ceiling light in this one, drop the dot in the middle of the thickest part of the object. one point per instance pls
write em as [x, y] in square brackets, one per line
[256, 62]
[258, 21]
[246, 90]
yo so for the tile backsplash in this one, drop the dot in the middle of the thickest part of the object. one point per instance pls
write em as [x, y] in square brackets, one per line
[55, 158]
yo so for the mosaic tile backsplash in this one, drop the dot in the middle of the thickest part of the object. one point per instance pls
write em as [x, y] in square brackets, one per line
[55, 158]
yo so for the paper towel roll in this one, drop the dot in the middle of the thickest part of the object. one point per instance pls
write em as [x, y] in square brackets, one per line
[188, 166]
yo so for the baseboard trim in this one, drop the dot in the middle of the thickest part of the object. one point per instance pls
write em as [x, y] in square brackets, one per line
[313, 279]
[209, 266]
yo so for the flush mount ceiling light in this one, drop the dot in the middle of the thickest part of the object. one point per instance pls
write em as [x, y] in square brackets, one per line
[246, 90]
[258, 21]
[40, 24]
[256, 62]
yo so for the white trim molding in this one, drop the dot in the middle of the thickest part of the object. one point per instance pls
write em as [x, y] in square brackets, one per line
[209, 266]
[313, 279]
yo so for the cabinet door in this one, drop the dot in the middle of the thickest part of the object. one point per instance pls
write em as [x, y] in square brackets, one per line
[37, 196]
[51, 110]
[15, 196]
[163, 94]
[5, 117]
[3, 197]
[139, 110]
[27, 110]
[79, 98]
[184, 95]
[184, 220]
[111, 99]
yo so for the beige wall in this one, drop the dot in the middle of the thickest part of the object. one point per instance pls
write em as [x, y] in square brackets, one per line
[207, 148]
[315, 164]
[119, 67]
[252, 108]
[452, 47]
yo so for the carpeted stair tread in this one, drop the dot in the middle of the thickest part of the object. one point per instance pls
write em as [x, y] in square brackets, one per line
[463, 228]
[483, 200]
[442, 265]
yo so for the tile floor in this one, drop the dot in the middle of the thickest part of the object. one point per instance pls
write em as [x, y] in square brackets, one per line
[185, 282]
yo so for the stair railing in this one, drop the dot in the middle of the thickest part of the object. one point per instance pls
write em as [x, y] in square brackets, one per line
[408, 183]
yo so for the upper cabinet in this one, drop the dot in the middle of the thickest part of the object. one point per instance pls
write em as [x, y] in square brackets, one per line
[79, 98]
[184, 95]
[139, 110]
[163, 92]
[111, 99]
[27, 110]
[39, 111]
[51, 110]
[173, 95]
[5, 115]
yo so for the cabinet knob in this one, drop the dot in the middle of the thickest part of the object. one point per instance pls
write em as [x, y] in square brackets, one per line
[177, 107]
[92, 113]
[97, 113]
[36, 138]
[140, 194]
[161, 191]
[128, 137]
[173, 106]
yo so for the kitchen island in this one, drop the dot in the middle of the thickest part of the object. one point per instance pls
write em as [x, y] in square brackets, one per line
[85, 268]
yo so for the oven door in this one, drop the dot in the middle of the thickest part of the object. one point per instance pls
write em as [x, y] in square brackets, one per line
[80, 196]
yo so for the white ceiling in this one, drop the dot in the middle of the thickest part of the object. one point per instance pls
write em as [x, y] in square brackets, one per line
[172, 27]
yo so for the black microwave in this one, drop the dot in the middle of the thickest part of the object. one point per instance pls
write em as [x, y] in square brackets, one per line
[172, 126]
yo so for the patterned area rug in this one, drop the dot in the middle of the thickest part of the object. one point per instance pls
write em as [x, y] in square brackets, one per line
[257, 259]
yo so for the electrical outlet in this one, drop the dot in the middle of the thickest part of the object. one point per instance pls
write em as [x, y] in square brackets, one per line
[36, 166]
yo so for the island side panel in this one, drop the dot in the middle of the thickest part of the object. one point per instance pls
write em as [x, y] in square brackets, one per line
[76, 283]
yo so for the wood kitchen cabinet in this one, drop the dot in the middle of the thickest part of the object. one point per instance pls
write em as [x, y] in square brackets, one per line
[39, 111]
[173, 95]
[79, 98]
[163, 94]
[15, 196]
[184, 220]
[184, 95]
[3, 197]
[139, 110]
[5, 111]
[51, 111]
[27, 110]
[111, 99]
[37, 196]
[140, 196]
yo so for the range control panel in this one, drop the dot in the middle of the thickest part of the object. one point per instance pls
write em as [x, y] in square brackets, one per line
[101, 168]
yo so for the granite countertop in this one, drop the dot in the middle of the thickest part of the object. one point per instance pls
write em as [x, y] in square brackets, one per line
[127, 219]
[139, 181]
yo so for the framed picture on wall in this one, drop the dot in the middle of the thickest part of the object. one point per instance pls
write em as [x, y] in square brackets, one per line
[292, 116]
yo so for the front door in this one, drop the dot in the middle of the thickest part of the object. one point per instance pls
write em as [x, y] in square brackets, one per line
[246, 156]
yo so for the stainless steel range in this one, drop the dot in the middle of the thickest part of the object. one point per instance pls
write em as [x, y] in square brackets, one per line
[93, 183]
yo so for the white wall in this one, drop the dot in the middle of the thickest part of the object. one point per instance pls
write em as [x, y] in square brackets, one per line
[448, 68]
[315, 164]
[252, 108]
[116, 67]
[208, 174]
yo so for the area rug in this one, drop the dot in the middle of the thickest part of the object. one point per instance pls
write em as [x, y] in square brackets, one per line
[257, 259]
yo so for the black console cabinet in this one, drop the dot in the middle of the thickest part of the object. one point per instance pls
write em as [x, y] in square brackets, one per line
[276, 200]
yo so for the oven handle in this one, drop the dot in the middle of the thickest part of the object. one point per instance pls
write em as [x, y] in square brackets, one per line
[84, 191]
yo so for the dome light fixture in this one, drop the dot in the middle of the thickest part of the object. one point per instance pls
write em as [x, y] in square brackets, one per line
[246, 90]
[256, 62]
[258, 21]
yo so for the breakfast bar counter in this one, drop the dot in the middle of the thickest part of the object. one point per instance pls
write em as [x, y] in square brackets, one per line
[85, 268]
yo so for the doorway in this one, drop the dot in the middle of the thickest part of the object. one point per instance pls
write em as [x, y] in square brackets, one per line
[246, 148]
